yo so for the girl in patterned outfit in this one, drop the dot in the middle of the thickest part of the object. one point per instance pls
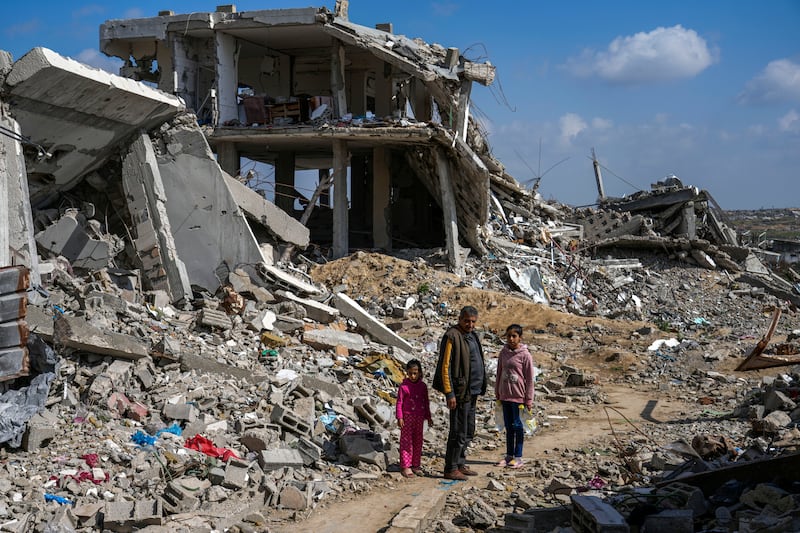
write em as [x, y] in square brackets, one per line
[412, 410]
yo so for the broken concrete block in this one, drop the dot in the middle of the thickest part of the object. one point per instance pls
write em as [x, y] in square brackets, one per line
[368, 323]
[372, 414]
[68, 237]
[590, 513]
[74, 332]
[124, 516]
[775, 400]
[328, 339]
[293, 498]
[215, 319]
[311, 452]
[316, 311]
[258, 439]
[331, 389]
[275, 458]
[145, 372]
[182, 495]
[236, 474]
[180, 411]
[40, 431]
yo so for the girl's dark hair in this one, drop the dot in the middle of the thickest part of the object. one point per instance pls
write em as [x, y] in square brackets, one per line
[516, 328]
[414, 363]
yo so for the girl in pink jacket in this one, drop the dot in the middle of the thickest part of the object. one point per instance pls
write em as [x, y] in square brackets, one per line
[514, 388]
[413, 408]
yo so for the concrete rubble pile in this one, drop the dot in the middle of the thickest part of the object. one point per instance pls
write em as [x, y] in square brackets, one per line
[178, 353]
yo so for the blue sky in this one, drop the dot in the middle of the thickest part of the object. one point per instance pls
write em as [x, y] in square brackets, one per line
[706, 90]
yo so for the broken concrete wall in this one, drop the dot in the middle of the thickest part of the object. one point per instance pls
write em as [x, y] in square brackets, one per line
[208, 227]
[17, 246]
[155, 244]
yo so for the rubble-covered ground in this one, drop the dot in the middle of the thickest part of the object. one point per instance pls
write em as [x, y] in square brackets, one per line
[226, 429]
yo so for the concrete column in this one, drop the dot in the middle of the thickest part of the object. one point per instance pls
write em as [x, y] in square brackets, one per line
[228, 158]
[358, 92]
[462, 113]
[337, 79]
[227, 78]
[285, 194]
[689, 221]
[358, 190]
[421, 101]
[17, 244]
[384, 89]
[449, 213]
[324, 196]
[340, 208]
[381, 192]
[182, 80]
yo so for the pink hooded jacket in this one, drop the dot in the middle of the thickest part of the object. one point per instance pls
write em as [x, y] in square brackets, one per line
[412, 398]
[514, 381]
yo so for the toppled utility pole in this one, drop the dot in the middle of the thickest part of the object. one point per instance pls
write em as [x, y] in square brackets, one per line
[598, 176]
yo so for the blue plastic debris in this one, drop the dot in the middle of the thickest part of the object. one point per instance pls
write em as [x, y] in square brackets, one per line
[143, 439]
[58, 499]
[175, 429]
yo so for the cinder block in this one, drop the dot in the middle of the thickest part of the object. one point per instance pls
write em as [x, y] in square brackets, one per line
[41, 430]
[368, 412]
[182, 495]
[180, 411]
[590, 514]
[684, 496]
[280, 457]
[288, 420]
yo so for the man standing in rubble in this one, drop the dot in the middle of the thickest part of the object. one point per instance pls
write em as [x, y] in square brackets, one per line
[461, 377]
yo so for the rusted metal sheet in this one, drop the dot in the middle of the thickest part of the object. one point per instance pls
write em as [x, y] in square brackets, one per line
[13, 306]
[14, 363]
[14, 279]
[757, 359]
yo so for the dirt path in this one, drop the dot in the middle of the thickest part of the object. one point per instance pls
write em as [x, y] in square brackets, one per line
[375, 510]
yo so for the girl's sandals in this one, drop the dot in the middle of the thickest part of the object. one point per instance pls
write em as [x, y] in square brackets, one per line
[417, 472]
[505, 462]
[517, 463]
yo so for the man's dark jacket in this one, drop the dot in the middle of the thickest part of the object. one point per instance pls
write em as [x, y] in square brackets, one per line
[453, 369]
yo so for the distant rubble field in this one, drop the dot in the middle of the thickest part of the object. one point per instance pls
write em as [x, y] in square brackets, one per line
[778, 223]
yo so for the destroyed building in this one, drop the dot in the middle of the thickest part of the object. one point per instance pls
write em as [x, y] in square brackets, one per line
[147, 291]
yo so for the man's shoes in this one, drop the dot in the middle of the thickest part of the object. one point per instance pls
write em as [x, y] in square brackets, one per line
[455, 474]
[467, 471]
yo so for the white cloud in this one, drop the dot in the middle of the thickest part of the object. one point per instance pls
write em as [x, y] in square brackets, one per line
[790, 122]
[571, 125]
[133, 13]
[602, 123]
[94, 58]
[778, 82]
[660, 55]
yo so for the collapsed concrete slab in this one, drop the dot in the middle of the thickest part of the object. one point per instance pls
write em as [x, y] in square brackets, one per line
[77, 333]
[350, 308]
[273, 218]
[77, 114]
[209, 229]
[69, 237]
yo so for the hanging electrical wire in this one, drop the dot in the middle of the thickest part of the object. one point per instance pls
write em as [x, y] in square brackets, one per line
[41, 152]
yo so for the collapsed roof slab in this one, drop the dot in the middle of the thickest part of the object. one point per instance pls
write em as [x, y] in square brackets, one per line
[78, 114]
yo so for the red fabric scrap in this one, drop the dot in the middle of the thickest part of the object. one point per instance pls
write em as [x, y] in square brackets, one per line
[202, 444]
[91, 459]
